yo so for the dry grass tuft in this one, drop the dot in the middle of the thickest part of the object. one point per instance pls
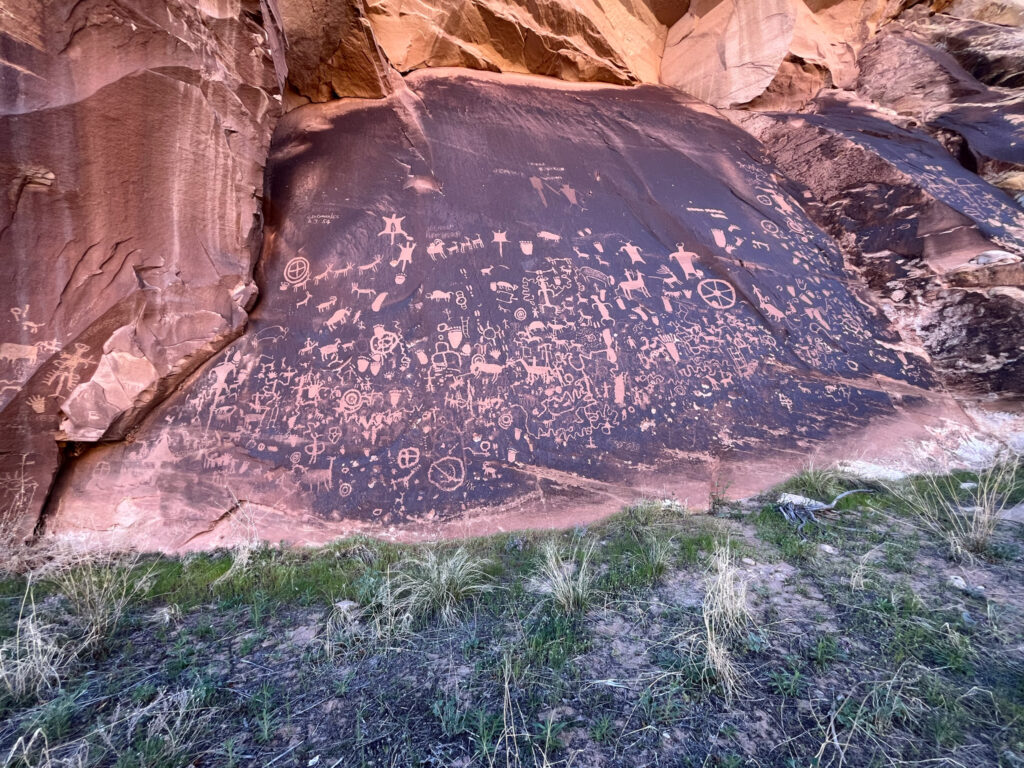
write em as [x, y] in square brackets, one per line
[99, 586]
[244, 531]
[436, 585]
[726, 616]
[430, 585]
[725, 598]
[963, 514]
[568, 580]
[35, 659]
[166, 731]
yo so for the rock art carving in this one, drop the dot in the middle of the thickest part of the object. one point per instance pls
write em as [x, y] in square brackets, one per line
[546, 333]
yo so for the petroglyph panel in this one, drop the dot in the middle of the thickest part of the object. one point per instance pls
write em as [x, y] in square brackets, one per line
[484, 286]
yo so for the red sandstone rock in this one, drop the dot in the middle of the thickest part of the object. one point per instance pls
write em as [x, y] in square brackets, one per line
[132, 139]
[488, 292]
[730, 52]
[941, 248]
[983, 125]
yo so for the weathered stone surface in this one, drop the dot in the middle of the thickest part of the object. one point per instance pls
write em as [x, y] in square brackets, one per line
[132, 138]
[982, 125]
[353, 48]
[730, 52]
[486, 294]
[726, 52]
[941, 248]
[330, 51]
[1007, 12]
[614, 41]
[991, 53]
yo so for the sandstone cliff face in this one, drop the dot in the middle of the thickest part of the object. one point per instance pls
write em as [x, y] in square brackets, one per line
[133, 139]
[941, 248]
[129, 216]
[730, 52]
[979, 123]
[353, 48]
[490, 297]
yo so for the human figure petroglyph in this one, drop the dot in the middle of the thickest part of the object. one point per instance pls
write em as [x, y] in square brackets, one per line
[220, 374]
[393, 228]
[684, 259]
[65, 376]
[633, 252]
[405, 255]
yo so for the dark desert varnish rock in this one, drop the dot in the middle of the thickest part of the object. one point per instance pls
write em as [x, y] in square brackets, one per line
[486, 293]
[939, 246]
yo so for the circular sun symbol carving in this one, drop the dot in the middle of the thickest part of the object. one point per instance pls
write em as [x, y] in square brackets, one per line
[297, 270]
[717, 293]
[351, 401]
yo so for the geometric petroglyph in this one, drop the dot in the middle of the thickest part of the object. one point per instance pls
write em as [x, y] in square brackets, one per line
[587, 303]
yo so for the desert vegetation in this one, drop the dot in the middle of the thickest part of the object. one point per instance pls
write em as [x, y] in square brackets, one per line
[886, 632]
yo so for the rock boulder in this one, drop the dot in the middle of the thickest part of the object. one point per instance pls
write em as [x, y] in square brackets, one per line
[485, 295]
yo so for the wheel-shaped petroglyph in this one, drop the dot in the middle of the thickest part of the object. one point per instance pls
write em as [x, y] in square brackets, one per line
[408, 458]
[448, 473]
[717, 293]
[296, 271]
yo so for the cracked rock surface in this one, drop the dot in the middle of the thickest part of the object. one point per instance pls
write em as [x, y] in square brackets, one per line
[131, 209]
[501, 294]
[483, 298]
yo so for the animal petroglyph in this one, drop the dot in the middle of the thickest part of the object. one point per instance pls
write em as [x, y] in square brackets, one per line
[430, 352]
